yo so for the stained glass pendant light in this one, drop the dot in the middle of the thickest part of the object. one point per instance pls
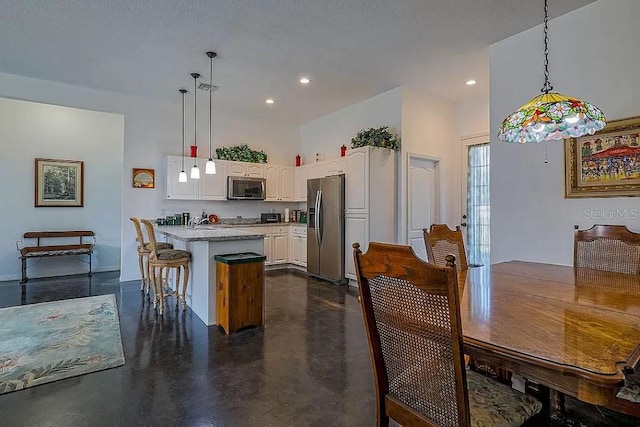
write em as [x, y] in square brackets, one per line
[210, 166]
[182, 176]
[552, 115]
[195, 172]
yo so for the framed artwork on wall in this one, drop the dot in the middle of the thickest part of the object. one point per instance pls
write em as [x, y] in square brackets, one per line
[143, 178]
[59, 183]
[605, 164]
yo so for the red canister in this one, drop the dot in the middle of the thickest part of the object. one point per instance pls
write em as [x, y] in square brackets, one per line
[343, 150]
[298, 160]
[194, 151]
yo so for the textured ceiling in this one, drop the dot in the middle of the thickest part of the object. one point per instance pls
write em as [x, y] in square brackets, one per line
[351, 49]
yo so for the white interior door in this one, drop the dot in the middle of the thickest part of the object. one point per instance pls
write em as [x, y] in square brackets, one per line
[423, 200]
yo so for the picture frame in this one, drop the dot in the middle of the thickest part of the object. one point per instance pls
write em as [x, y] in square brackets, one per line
[59, 183]
[143, 178]
[605, 164]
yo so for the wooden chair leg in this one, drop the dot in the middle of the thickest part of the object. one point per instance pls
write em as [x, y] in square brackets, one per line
[184, 285]
[176, 285]
[141, 265]
[152, 279]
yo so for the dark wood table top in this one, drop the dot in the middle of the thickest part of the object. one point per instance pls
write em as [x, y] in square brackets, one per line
[584, 324]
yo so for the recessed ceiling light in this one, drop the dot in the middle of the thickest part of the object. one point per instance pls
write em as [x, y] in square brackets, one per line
[471, 82]
[269, 101]
[305, 80]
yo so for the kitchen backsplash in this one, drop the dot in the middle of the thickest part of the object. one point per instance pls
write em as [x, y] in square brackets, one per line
[246, 209]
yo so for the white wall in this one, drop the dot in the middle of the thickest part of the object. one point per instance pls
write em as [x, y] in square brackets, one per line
[595, 55]
[425, 125]
[327, 134]
[29, 130]
[428, 130]
[152, 131]
[471, 117]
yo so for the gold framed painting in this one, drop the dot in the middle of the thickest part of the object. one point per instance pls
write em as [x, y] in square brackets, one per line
[59, 183]
[143, 178]
[605, 164]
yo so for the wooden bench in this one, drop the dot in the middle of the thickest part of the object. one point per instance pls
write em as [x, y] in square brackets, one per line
[40, 251]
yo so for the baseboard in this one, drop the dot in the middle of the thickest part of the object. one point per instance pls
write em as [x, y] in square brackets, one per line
[18, 277]
[285, 267]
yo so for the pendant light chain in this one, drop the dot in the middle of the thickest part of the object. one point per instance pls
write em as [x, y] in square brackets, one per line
[547, 84]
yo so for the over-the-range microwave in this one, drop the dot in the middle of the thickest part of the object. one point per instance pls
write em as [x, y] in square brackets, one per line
[243, 188]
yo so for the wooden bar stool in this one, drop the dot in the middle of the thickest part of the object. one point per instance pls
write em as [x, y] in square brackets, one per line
[166, 258]
[143, 253]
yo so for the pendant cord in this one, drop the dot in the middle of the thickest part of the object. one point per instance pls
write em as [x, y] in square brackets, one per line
[547, 87]
[183, 118]
[210, 114]
[195, 115]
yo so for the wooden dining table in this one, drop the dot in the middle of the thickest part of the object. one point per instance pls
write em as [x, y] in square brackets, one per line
[576, 331]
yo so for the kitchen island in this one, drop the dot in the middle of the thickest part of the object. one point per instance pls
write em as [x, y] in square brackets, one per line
[204, 242]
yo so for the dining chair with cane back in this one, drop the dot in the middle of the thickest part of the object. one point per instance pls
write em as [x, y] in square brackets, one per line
[143, 253]
[441, 241]
[412, 320]
[611, 248]
[167, 258]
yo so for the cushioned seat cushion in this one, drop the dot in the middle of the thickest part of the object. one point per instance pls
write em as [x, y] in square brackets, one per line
[495, 404]
[170, 254]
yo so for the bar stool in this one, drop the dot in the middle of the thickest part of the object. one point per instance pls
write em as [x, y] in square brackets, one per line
[143, 252]
[167, 258]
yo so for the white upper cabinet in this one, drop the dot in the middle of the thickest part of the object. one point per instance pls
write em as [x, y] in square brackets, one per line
[180, 190]
[336, 166]
[272, 175]
[300, 174]
[357, 183]
[279, 183]
[253, 170]
[213, 187]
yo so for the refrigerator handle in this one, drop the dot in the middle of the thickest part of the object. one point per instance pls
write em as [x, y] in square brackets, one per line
[320, 229]
[317, 218]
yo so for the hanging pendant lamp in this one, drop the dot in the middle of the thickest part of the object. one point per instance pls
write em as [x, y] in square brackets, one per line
[182, 177]
[195, 172]
[552, 115]
[210, 166]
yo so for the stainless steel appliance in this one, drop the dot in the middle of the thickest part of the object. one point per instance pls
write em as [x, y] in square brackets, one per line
[325, 228]
[243, 188]
[266, 218]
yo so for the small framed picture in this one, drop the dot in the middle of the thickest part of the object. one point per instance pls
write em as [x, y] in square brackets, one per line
[59, 183]
[143, 178]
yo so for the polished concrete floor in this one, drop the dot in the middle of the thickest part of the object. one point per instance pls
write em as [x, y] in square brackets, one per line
[309, 366]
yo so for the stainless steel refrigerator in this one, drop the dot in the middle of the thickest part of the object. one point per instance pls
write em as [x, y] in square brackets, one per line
[325, 228]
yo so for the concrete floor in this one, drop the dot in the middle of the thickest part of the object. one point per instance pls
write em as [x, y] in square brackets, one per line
[309, 366]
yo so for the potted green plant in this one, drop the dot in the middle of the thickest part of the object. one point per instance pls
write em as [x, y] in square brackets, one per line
[241, 153]
[376, 137]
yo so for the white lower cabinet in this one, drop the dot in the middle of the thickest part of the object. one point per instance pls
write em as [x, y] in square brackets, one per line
[356, 230]
[298, 246]
[279, 248]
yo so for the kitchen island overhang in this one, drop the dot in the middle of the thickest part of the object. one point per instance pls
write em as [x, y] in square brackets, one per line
[205, 243]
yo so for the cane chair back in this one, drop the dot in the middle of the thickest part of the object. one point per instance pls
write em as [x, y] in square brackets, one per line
[611, 248]
[441, 241]
[411, 312]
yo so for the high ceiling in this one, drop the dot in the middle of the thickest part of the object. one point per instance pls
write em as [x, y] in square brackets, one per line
[351, 49]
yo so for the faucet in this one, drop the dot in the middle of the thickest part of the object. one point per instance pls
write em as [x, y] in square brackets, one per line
[197, 220]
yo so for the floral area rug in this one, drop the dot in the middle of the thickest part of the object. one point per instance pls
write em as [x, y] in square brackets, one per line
[40, 343]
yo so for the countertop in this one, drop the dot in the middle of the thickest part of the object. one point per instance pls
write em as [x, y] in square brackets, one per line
[259, 224]
[207, 233]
